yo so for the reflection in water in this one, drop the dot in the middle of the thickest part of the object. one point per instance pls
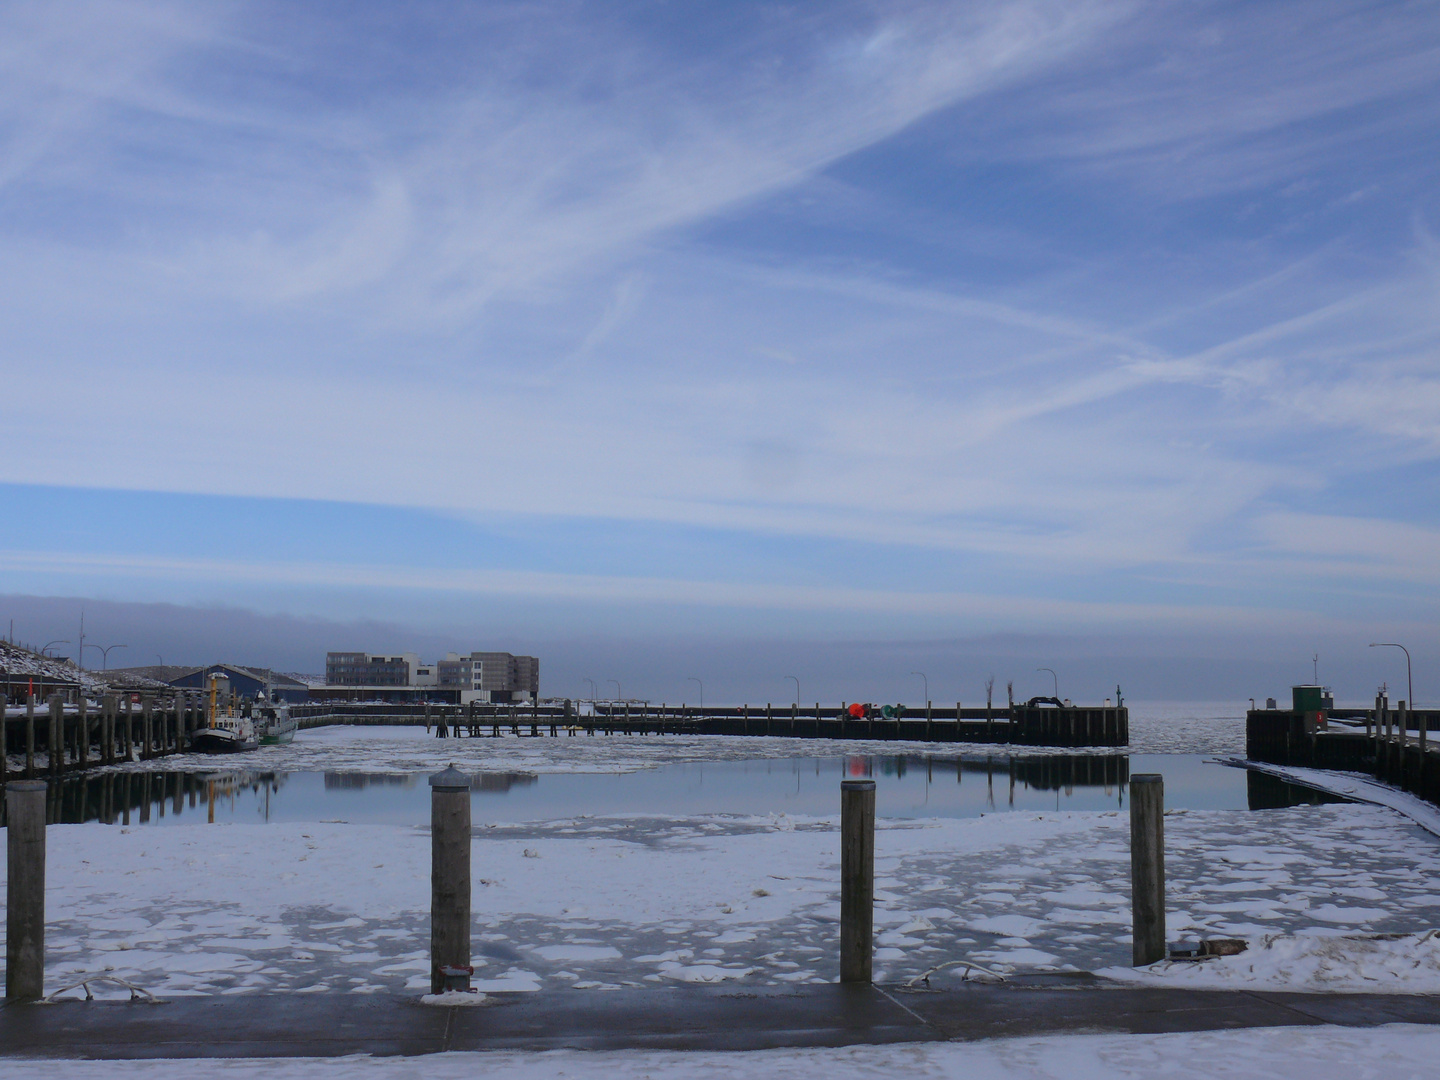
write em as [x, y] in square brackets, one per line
[125, 798]
[490, 782]
[1265, 792]
[907, 786]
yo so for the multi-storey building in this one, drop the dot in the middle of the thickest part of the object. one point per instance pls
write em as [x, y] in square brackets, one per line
[370, 669]
[479, 676]
[505, 677]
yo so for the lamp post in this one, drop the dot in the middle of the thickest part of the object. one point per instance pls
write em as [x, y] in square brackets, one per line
[57, 641]
[1409, 684]
[693, 679]
[1055, 677]
[797, 688]
[619, 696]
[105, 653]
[927, 685]
[586, 678]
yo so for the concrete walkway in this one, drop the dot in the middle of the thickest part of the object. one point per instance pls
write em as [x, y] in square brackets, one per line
[677, 1018]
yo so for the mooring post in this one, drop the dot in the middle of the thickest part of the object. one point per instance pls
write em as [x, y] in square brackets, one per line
[1147, 867]
[83, 733]
[857, 879]
[449, 881]
[56, 746]
[1402, 743]
[129, 727]
[30, 737]
[4, 740]
[25, 891]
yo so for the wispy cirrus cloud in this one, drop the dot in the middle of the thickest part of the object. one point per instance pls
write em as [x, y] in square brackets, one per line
[1060, 290]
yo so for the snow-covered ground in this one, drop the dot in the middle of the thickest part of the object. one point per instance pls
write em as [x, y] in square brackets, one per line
[1394, 1052]
[588, 902]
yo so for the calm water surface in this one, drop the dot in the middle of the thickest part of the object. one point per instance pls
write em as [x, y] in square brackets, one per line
[906, 787]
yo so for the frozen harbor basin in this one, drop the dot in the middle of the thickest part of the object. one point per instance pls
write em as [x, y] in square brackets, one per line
[734, 895]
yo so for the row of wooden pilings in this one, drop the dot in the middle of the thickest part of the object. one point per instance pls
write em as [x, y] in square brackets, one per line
[1399, 759]
[1017, 724]
[450, 844]
[82, 739]
[450, 840]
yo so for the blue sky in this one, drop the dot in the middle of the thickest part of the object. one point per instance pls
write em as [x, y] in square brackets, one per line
[1104, 321]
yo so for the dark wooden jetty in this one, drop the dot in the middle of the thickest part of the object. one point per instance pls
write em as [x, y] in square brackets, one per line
[1032, 723]
[53, 737]
[1391, 743]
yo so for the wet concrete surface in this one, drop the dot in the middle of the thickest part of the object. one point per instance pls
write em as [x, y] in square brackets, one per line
[672, 1018]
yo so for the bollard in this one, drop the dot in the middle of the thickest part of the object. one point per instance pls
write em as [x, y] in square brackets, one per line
[1147, 867]
[25, 891]
[449, 881]
[857, 879]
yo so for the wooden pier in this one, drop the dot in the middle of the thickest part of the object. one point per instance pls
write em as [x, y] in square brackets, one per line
[50, 738]
[1018, 725]
[1392, 744]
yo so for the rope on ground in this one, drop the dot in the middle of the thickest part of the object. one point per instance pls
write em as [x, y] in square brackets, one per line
[137, 993]
[968, 965]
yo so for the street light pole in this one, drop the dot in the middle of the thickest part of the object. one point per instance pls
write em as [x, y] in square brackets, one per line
[797, 688]
[693, 679]
[1409, 683]
[619, 694]
[586, 678]
[105, 654]
[57, 641]
[927, 685]
[1055, 677]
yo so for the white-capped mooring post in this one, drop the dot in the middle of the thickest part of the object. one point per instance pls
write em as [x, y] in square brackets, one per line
[1147, 867]
[449, 881]
[25, 891]
[857, 879]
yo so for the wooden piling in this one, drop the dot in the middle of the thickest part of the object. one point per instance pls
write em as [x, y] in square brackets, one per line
[82, 734]
[857, 879]
[449, 881]
[25, 891]
[30, 737]
[107, 731]
[129, 728]
[1147, 867]
[55, 747]
[4, 741]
